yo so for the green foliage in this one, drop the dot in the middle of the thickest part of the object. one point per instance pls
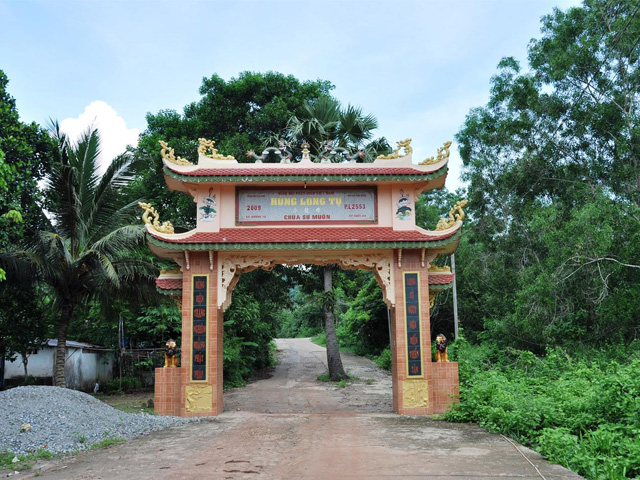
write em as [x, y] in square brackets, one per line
[250, 325]
[580, 410]
[26, 152]
[24, 323]
[364, 327]
[25, 461]
[124, 385]
[549, 256]
[306, 317]
[108, 442]
[384, 359]
[238, 114]
[90, 251]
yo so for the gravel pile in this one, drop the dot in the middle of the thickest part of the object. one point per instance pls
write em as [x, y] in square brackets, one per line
[67, 420]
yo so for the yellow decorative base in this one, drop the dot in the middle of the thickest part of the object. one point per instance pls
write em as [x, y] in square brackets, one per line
[415, 393]
[198, 398]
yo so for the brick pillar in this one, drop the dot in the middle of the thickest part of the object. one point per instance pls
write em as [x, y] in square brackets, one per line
[435, 386]
[201, 338]
[411, 337]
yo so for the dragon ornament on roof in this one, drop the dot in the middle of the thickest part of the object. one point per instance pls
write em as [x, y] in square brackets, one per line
[165, 227]
[402, 144]
[208, 149]
[443, 154]
[455, 214]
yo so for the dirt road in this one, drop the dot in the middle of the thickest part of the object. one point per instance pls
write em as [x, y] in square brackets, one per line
[291, 426]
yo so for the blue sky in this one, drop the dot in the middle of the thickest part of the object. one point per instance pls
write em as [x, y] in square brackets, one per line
[419, 66]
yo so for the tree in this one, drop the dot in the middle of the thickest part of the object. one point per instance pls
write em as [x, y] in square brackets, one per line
[26, 151]
[89, 251]
[553, 166]
[238, 114]
[326, 126]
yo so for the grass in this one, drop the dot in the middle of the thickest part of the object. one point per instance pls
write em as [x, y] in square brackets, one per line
[108, 442]
[25, 462]
[324, 377]
[129, 402]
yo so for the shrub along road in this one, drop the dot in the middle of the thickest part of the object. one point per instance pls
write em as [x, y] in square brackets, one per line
[291, 426]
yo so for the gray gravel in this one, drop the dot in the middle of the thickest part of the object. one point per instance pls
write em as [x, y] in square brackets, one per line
[67, 420]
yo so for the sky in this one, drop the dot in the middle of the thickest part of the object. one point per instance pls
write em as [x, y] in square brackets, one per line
[418, 66]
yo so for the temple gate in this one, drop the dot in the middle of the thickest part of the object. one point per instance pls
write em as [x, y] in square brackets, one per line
[256, 215]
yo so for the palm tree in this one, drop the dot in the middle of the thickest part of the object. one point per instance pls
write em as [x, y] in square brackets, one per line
[90, 250]
[324, 125]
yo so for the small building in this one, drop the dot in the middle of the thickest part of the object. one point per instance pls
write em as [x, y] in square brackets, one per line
[86, 364]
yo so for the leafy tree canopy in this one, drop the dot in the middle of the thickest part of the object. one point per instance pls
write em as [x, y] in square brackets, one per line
[26, 152]
[552, 162]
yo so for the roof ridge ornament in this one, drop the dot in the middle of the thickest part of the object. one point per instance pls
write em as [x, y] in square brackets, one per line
[443, 154]
[170, 156]
[404, 144]
[208, 149]
[437, 269]
[171, 271]
[165, 227]
[455, 214]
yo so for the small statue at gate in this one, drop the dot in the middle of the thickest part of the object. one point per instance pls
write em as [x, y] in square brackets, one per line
[441, 349]
[170, 357]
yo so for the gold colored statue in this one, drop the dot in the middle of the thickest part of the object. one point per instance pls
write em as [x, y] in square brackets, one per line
[170, 357]
[165, 227]
[441, 349]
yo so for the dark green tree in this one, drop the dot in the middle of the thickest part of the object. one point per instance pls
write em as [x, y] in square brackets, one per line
[552, 162]
[26, 154]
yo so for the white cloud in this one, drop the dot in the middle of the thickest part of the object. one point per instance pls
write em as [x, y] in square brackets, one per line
[114, 134]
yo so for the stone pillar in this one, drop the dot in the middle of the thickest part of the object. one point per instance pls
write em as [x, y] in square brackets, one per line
[415, 389]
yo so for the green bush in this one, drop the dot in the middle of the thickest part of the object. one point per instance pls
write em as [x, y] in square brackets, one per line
[384, 359]
[126, 385]
[580, 410]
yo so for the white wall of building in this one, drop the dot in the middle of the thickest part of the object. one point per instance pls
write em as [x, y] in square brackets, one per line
[83, 368]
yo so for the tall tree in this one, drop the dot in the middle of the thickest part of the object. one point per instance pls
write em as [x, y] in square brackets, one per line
[89, 250]
[553, 165]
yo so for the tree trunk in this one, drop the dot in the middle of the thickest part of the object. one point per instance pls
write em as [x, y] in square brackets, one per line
[61, 349]
[336, 370]
[25, 360]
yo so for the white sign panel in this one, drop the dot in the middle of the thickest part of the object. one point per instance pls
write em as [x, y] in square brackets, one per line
[277, 206]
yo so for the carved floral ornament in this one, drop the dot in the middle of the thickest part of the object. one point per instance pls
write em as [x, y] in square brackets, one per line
[198, 398]
[230, 268]
[437, 269]
[415, 394]
[165, 227]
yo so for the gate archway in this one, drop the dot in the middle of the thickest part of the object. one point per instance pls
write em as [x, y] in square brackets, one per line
[256, 216]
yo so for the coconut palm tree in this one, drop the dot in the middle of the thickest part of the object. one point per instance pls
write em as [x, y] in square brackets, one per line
[90, 250]
[325, 126]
